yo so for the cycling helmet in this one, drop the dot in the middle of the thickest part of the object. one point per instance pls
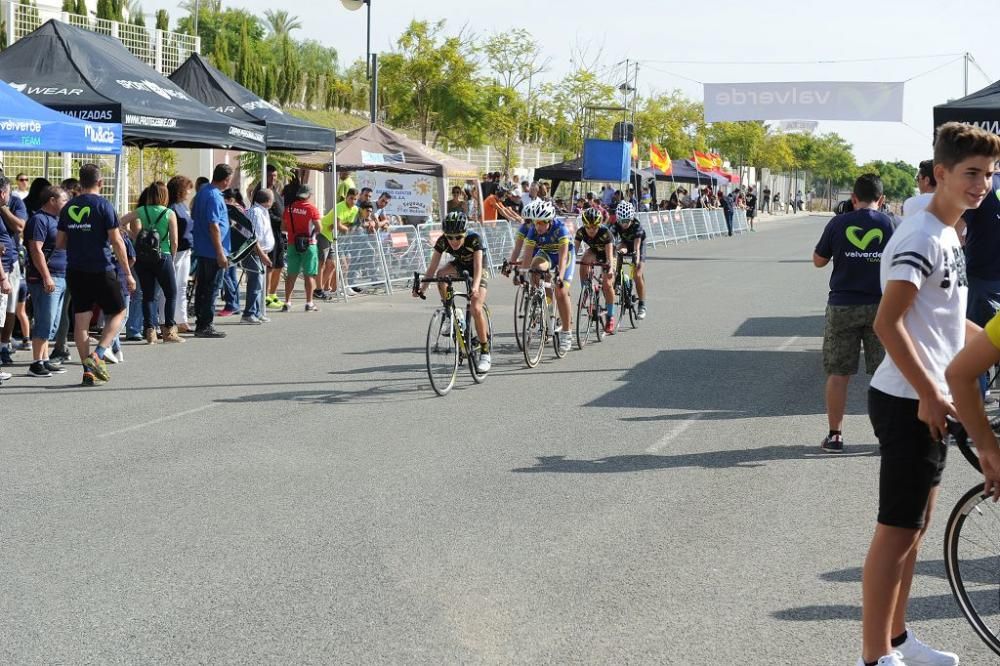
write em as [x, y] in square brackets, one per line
[454, 223]
[539, 209]
[592, 217]
[625, 211]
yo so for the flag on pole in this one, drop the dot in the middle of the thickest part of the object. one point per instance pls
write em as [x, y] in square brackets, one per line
[703, 161]
[635, 150]
[660, 159]
[716, 162]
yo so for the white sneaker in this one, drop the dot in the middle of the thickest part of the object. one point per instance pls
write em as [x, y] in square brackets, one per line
[916, 653]
[894, 659]
[565, 341]
[110, 357]
[4, 376]
[484, 365]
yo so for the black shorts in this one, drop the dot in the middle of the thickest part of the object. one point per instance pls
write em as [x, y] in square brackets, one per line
[277, 256]
[912, 461]
[89, 289]
[629, 245]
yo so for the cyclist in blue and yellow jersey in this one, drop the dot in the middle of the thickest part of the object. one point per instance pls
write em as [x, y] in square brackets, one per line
[600, 250]
[632, 241]
[515, 253]
[466, 249]
[551, 245]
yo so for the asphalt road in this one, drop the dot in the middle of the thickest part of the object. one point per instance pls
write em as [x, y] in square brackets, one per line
[297, 494]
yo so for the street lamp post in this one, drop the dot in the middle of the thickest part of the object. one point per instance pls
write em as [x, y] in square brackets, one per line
[371, 64]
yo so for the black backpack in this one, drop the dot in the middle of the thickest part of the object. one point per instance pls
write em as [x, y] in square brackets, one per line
[147, 243]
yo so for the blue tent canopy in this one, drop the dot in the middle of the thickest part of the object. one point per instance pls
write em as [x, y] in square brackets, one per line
[27, 125]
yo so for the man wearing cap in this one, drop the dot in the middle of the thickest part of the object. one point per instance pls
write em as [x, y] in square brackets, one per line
[302, 224]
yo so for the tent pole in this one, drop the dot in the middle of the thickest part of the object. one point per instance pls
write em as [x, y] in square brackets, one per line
[119, 202]
[45, 166]
[142, 167]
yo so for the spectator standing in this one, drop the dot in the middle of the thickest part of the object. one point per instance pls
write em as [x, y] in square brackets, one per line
[751, 203]
[854, 243]
[926, 185]
[21, 186]
[381, 210]
[231, 278]
[727, 204]
[276, 215]
[88, 224]
[302, 223]
[457, 202]
[211, 248]
[765, 201]
[179, 189]
[255, 266]
[46, 278]
[340, 220]
[343, 185]
[153, 229]
[13, 216]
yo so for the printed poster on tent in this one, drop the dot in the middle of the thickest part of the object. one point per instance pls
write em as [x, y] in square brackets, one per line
[411, 194]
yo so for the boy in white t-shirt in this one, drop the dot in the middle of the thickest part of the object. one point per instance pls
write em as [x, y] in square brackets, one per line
[921, 323]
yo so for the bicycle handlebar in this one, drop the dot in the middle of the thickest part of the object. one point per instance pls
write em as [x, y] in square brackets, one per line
[447, 279]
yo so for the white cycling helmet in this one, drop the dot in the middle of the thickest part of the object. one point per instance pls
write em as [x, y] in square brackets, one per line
[625, 211]
[539, 209]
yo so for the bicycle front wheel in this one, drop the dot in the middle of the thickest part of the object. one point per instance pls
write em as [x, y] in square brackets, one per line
[533, 335]
[442, 352]
[584, 316]
[520, 298]
[972, 562]
[630, 297]
[475, 345]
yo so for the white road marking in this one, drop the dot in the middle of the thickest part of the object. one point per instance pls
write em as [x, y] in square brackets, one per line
[673, 434]
[169, 417]
[787, 343]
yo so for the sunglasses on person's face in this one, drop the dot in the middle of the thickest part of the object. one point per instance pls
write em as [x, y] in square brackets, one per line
[22, 180]
[454, 237]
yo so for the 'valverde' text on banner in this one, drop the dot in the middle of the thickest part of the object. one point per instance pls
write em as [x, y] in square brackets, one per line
[804, 100]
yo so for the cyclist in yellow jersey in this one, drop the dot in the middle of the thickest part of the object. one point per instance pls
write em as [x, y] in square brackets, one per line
[550, 244]
[466, 249]
[980, 353]
[600, 250]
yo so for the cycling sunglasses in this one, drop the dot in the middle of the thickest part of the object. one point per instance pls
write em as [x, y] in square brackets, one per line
[454, 236]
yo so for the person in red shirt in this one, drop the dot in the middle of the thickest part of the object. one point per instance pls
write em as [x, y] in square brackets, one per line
[301, 223]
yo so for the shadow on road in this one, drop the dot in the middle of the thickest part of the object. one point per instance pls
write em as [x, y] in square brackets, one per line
[374, 394]
[937, 607]
[782, 327]
[982, 570]
[729, 458]
[726, 384]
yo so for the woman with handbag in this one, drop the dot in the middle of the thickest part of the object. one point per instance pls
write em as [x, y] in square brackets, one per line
[153, 228]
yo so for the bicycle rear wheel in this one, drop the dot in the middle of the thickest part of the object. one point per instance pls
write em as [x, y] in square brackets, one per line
[972, 563]
[520, 296]
[475, 348]
[442, 353]
[584, 315]
[600, 313]
[533, 335]
[630, 296]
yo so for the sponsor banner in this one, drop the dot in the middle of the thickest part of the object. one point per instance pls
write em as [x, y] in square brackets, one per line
[380, 159]
[411, 194]
[797, 126]
[816, 100]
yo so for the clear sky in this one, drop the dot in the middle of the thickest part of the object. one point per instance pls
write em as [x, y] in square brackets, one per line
[660, 33]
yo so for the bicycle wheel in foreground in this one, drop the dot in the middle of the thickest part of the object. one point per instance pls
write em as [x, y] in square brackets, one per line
[442, 353]
[533, 335]
[972, 562]
[475, 347]
[520, 306]
[584, 315]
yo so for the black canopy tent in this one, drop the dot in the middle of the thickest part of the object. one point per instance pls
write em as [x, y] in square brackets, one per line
[94, 77]
[572, 171]
[214, 89]
[981, 108]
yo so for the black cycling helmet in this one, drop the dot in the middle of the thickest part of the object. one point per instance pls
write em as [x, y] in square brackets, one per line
[455, 222]
[592, 217]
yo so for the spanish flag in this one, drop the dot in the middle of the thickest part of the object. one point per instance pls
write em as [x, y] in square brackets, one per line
[635, 150]
[703, 161]
[660, 159]
[716, 162]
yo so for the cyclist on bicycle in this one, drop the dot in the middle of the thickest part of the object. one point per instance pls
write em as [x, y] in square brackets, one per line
[519, 236]
[551, 245]
[466, 249]
[632, 242]
[600, 250]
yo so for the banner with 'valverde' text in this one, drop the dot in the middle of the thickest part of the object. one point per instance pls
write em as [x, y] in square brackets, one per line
[804, 100]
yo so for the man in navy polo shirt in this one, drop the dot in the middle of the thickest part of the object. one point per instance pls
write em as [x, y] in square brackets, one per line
[211, 247]
[88, 224]
[13, 215]
[854, 242]
[981, 229]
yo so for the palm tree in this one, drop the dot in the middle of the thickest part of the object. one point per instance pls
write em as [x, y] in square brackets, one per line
[280, 23]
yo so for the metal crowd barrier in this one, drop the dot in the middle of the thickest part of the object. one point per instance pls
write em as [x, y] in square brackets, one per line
[402, 253]
[498, 241]
[360, 259]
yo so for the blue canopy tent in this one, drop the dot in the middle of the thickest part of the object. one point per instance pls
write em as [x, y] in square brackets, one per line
[26, 125]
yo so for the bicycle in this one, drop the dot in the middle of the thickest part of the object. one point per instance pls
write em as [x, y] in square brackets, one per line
[971, 560]
[449, 345]
[541, 321]
[590, 313]
[625, 294]
[520, 298]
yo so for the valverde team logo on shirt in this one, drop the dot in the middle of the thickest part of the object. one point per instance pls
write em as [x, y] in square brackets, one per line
[78, 214]
[863, 242]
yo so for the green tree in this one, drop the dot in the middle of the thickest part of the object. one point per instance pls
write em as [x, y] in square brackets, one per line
[430, 82]
[672, 122]
[81, 8]
[898, 178]
[69, 6]
[162, 20]
[279, 23]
